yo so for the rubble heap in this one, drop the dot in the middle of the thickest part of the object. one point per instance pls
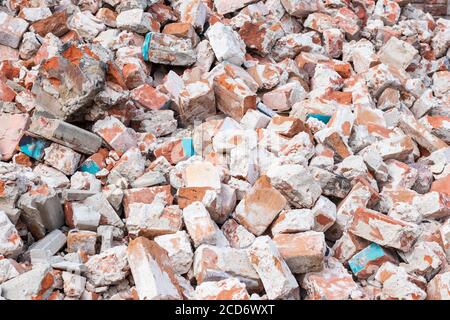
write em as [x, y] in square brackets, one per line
[224, 149]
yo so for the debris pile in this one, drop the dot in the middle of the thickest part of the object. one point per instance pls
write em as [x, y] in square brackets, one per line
[217, 149]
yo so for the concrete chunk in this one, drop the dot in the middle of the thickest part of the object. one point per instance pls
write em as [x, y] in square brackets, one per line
[35, 284]
[11, 244]
[226, 43]
[11, 30]
[66, 134]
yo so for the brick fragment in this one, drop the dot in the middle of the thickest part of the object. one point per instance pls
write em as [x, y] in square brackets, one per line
[170, 50]
[260, 206]
[76, 71]
[233, 96]
[107, 16]
[324, 213]
[278, 281]
[237, 235]
[194, 12]
[148, 97]
[438, 287]
[266, 75]
[438, 126]
[393, 49]
[420, 134]
[226, 43]
[212, 263]
[200, 226]
[99, 203]
[196, 102]
[35, 284]
[384, 230]
[86, 25]
[81, 240]
[296, 184]
[8, 53]
[331, 138]
[227, 289]
[291, 221]
[348, 21]
[135, 20]
[182, 30]
[426, 258]
[114, 132]
[175, 150]
[202, 174]
[332, 283]
[388, 11]
[178, 247]
[224, 7]
[261, 36]
[286, 126]
[347, 246]
[283, 98]
[55, 24]
[397, 284]
[109, 267]
[12, 129]
[9, 269]
[398, 147]
[62, 158]
[433, 205]
[381, 76]
[147, 214]
[34, 14]
[73, 284]
[152, 271]
[332, 184]
[333, 42]
[300, 8]
[11, 243]
[303, 252]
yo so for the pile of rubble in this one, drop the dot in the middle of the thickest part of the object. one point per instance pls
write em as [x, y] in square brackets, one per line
[224, 149]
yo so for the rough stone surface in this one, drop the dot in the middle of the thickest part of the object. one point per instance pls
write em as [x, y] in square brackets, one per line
[224, 150]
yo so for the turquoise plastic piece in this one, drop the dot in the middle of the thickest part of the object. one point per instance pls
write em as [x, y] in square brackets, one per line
[33, 147]
[90, 166]
[146, 45]
[321, 117]
[188, 147]
[266, 110]
[359, 261]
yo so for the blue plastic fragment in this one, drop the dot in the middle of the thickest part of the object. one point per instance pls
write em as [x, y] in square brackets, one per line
[188, 147]
[265, 109]
[360, 260]
[321, 117]
[90, 166]
[146, 45]
[33, 147]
